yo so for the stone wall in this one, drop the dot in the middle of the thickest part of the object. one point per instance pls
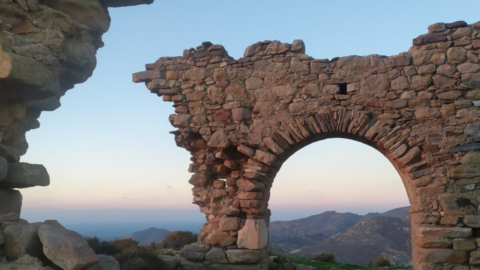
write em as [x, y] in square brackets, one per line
[241, 119]
[46, 47]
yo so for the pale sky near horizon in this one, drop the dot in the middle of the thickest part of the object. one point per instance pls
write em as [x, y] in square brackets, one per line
[108, 146]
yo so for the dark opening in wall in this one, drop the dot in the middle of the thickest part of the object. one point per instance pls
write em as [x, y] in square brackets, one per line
[343, 88]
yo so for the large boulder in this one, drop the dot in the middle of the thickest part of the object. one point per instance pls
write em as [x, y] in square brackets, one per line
[67, 249]
[25, 175]
[21, 240]
[10, 201]
[106, 263]
[88, 12]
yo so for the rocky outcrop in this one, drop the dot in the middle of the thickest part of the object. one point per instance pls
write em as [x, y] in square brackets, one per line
[33, 246]
[46, 47]
[242, 118]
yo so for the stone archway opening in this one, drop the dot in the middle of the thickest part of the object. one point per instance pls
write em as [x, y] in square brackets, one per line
[324, 192]
[239, 118]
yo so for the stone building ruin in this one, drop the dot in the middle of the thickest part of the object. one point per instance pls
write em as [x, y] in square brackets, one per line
[241, 119]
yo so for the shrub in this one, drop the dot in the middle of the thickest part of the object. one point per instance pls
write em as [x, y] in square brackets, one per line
[178, 239]
[378, 262]
[102, 247]
[129, 254]
[324, 257]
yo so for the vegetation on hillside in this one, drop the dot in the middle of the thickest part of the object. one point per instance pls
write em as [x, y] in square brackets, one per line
[128, 253]
[322, 265]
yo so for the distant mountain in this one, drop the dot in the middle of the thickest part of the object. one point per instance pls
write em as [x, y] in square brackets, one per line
[148, 236]
[401, 212]
[327, 223]
[378, 236]
[386, 234]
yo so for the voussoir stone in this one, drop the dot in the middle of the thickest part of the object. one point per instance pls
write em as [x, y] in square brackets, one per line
[88, 12]
[67, 249]
[24, 175]
[253, 235]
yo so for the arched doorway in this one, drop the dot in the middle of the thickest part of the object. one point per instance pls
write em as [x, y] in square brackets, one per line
[342, 197]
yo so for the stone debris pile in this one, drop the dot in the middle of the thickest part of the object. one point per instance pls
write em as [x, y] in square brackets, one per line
[241, 119]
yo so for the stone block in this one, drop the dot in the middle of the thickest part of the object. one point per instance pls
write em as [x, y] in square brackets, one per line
[216, 255]
[243, 256]
[253, 235]
[67, 249]
[24, 175]
[464, 244]
[10, 201]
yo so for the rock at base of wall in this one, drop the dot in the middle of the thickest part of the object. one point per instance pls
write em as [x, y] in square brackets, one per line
[10, 201]
[67, 249]
[254, 235]
[106, 263]
[21, 240]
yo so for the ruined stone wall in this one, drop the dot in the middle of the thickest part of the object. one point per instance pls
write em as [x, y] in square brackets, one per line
[46, 47]
[241, 119]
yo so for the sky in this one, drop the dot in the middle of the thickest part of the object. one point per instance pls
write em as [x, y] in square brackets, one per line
[108, 149]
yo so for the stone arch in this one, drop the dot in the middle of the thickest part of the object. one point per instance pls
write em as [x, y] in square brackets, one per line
[240, 119]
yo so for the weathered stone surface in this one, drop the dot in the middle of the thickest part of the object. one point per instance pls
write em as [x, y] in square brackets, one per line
[243, 256]
[229, 223]
[3, 168]
[400, 83]
[253, 235]
[265, 157]
[216, 255]
[24, 175]
[194, 252]
[472, 221]
[10, 201]
[456, 55]
[88, 12]
[472, 79]
[106, 263]
[222, 239]
[22, 239]
[124, 3]
[442, 256]
[26, 262]
[67, 249]
[219, 139]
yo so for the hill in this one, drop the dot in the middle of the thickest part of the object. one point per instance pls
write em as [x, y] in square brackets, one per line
[327, 223]
[148, 236]
[352, 238]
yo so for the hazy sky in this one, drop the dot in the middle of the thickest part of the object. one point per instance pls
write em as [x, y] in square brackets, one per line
[108, 146]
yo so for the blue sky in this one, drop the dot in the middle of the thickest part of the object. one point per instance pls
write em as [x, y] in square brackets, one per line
[108, 146]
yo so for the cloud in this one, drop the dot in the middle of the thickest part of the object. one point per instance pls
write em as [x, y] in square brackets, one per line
[169, 187]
